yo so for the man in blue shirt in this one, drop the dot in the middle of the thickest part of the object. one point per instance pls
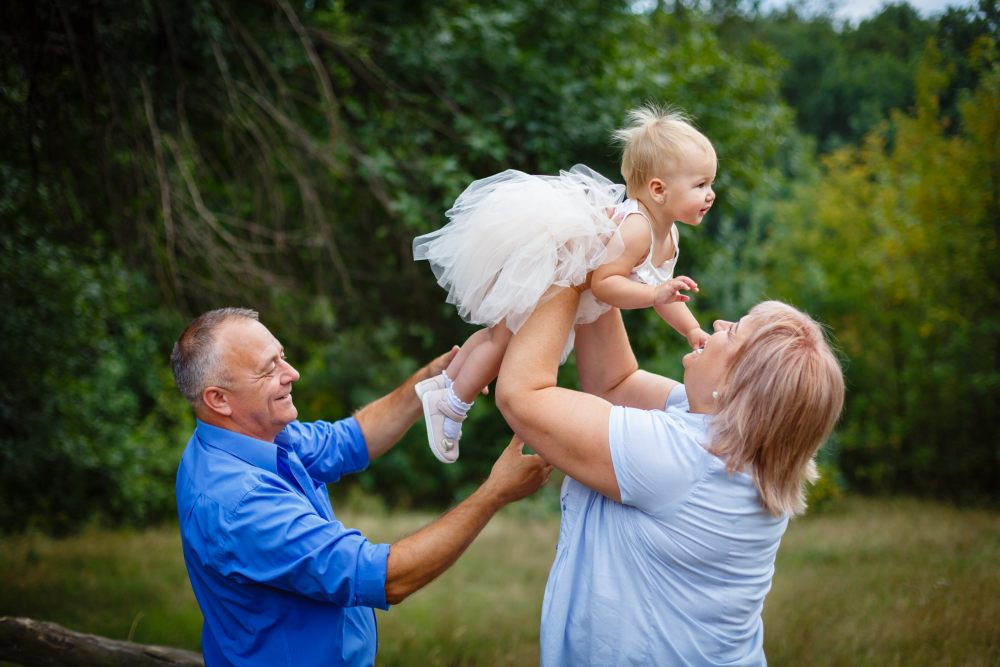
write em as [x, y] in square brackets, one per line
[279, 580]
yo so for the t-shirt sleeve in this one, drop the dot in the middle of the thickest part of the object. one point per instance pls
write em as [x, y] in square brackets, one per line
[678, 395]
[657, 461]
[328, 450]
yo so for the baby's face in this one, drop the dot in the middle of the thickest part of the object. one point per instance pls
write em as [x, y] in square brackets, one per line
[689, 192]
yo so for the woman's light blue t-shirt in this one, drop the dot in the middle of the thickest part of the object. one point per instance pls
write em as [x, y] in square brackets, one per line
[677, 572]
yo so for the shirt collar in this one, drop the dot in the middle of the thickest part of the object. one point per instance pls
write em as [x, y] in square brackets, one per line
[256, 452]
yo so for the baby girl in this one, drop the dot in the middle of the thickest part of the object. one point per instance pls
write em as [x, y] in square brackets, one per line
[514, 239]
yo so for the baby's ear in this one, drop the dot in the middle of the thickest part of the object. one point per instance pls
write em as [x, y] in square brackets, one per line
[658, 190]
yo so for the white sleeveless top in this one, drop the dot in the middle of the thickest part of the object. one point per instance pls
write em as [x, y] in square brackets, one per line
[645, 272]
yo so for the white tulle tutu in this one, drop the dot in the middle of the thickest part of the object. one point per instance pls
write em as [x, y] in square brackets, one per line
[513, 236]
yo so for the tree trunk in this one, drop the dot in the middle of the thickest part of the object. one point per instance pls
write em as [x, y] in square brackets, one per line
[40, 644]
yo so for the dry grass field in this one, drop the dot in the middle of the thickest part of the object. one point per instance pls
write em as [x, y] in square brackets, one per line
[867, 582]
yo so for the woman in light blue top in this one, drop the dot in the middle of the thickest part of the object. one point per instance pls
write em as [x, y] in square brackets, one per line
[674, 507]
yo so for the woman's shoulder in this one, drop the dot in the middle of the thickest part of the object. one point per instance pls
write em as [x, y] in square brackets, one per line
[658, 455]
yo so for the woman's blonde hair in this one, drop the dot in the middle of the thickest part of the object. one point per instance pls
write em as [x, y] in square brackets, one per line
[779, 401]
[653, 142]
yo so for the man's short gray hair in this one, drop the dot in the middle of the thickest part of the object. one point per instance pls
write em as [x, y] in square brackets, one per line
[196, 360]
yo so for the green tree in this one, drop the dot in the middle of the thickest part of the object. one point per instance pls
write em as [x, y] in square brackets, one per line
[895, 245]
[843, 80]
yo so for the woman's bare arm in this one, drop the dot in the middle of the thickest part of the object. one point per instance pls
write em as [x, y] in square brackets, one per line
[568, 429]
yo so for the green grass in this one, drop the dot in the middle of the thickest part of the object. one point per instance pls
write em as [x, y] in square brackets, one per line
[865, 583]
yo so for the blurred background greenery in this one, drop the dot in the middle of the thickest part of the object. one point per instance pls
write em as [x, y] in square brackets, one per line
[164, 157]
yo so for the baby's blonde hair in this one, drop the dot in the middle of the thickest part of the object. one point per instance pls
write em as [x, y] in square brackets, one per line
[781, 399]
[654, 141]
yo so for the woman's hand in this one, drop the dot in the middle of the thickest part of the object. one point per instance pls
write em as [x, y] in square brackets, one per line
[669, 292]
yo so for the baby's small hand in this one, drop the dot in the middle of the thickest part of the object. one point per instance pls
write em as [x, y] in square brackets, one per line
[669, 292]
[697, 338]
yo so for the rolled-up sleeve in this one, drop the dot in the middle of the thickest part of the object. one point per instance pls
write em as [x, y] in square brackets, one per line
[329, 450]
[275, 538]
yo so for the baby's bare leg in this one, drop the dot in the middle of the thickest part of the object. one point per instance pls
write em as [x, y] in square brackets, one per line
[470, 344]
[607, 366]
[482, 364]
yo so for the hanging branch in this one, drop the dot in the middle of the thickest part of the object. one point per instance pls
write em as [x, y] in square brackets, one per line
[161, 173]
[307, 142]
[329, 98]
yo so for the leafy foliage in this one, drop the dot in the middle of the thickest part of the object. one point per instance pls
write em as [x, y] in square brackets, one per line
[897, 247]
[90, 423]
[287, 159]
[165, 158]
[844, 80]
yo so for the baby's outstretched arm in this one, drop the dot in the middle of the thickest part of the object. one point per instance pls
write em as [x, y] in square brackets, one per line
[680, 318]
[610, 284]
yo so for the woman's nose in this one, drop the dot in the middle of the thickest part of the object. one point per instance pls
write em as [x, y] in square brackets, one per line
[721, 325]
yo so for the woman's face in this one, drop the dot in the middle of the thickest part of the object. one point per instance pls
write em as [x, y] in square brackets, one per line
[705, 368]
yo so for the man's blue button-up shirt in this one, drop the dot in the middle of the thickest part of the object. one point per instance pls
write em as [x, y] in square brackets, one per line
[279, 580]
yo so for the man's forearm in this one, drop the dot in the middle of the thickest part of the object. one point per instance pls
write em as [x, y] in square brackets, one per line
[417, 560]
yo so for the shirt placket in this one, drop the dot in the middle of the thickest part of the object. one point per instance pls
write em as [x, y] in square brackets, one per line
[305, 482]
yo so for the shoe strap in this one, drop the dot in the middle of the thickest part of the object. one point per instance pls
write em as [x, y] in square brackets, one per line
[448, 412]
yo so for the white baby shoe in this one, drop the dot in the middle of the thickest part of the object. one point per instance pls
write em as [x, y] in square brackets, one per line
[435, 410]
[439, 381]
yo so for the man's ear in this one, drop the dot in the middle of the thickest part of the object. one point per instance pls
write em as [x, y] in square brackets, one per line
[215, 399]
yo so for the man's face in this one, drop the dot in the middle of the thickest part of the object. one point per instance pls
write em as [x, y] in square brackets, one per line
[260, 394]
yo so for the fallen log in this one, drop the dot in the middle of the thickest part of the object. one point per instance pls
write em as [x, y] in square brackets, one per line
[40, 644]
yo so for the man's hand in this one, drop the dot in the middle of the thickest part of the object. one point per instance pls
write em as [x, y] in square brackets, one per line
[435, 367]
[669, 292]
[417, 560]
[516, 475]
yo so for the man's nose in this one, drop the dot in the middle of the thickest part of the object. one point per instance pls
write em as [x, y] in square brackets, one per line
[292, 374]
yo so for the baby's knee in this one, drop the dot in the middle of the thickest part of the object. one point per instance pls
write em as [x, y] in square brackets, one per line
[500, 335]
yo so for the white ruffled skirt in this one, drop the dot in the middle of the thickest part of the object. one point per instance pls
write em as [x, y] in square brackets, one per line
[513, 236]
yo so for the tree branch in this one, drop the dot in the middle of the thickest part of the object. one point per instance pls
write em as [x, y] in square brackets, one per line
[40, 644]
